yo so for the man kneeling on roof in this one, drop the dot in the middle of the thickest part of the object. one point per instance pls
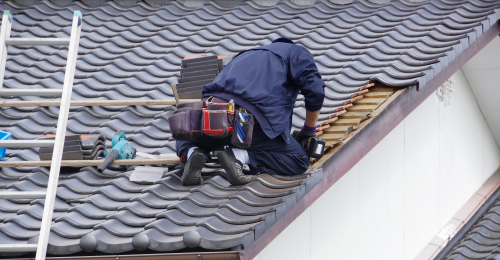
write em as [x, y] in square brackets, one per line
[266, 82]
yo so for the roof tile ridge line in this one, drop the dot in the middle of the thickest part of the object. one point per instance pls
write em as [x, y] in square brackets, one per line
[259, 7]
[33, 74]
[369, 4]
[473, 3]
[36, 18]
[228, 9]
[42, 25]
[407, 100]
[151, 8]
[45, 13]
[295, 6]
[414, 4]
[335, 6]
[124, 10]
[419, 39]
[455, 11]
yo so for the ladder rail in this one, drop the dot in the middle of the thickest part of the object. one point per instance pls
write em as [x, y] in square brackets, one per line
[4, 35]
[62, 121]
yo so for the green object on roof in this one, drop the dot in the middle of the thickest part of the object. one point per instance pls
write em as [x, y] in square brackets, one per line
[79, 14]
[7, 12]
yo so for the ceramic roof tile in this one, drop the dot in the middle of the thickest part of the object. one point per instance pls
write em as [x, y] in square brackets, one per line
[482, 241]
[135, 53]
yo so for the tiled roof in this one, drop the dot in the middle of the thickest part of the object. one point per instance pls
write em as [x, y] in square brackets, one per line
[482, 241]
[111, 214]
[135, 53]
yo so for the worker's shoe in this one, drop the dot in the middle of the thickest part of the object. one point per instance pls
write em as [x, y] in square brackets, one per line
[233, 168]
[192, 169]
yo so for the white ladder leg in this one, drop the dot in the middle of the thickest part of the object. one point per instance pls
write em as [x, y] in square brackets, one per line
[62, 121]
[4, 35]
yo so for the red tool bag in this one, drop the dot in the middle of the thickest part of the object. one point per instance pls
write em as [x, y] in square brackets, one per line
[217, 120]
[192, 120]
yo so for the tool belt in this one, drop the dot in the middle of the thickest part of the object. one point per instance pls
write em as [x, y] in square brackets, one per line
[212, 117]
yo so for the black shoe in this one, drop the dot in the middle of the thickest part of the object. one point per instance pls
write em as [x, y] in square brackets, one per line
[233, 168]
[192, 170]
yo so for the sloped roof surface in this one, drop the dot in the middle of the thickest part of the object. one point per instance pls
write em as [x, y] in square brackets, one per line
[135, 52]
[483, 240]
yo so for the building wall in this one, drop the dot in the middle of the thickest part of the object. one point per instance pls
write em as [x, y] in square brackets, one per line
[399, 196]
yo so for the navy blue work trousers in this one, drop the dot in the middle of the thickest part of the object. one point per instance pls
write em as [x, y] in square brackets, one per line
[271, 156]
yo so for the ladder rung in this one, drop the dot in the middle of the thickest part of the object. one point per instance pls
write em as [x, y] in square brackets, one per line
[31, 92]
[18, 248]
[22, 195]
[50, 103]
[37, 41]
[26, 143]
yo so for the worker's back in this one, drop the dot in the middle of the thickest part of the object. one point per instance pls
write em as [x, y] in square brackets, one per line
[266, 80]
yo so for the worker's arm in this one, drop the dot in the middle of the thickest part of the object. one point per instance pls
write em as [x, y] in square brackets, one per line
[312, 118]
[305, 74]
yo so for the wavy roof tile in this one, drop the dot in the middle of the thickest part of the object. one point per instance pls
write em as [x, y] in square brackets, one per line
[135, 53]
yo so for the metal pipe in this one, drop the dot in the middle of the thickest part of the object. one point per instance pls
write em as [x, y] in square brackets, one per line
[22, 195]
[31, 92]
[37, 41]
[26, 143]
[18, 248]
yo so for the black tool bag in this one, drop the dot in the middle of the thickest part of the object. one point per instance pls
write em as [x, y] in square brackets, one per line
[242, 129]
[185, 122]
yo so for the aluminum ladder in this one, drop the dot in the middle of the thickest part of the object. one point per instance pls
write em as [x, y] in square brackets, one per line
[58, 142]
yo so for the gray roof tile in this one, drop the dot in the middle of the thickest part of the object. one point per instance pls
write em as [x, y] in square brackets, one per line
[135, 53]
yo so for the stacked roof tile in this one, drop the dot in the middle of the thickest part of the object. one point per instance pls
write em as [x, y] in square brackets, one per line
[135, 53]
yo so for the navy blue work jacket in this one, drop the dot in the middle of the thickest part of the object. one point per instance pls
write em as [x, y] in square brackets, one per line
[266, 81]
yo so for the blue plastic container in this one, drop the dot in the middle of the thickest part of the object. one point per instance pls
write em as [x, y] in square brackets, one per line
[4, 136]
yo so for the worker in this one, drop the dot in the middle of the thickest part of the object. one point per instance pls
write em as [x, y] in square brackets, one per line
[266, 82]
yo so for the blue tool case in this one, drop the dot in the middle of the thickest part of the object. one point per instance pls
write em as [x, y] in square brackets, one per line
[4, 136]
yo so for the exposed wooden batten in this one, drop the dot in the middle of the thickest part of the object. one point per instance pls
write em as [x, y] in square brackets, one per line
[362, 108]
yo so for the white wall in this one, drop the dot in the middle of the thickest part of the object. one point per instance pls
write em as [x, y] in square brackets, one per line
[398, 197]
[482, 73]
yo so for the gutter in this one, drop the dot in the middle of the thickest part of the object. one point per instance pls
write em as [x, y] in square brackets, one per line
[337, 162]
[224, 255]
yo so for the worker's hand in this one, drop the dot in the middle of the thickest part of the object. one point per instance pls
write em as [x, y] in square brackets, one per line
[304, 134]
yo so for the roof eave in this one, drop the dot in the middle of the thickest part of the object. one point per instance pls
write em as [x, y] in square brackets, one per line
[222, 255]
[339, 161]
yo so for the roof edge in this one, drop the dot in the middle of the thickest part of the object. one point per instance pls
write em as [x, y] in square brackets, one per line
[339, 161]
[222, 255]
